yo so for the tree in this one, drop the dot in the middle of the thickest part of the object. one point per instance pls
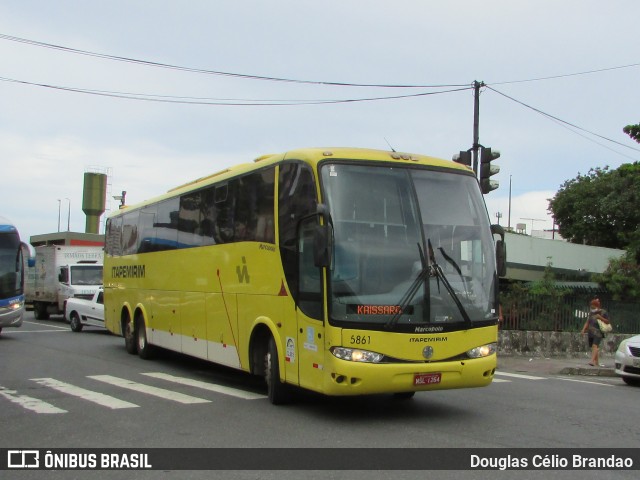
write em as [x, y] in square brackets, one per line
[600, 208]
[540, 304]
[622, 278]
[633, 131]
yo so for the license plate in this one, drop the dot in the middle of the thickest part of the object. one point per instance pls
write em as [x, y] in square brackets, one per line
[636, 362]
[426, 378]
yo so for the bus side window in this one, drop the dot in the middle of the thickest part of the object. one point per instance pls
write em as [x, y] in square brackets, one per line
[296, 199]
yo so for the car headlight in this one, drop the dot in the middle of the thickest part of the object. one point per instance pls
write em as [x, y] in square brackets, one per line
[356, 355]
[622, 348]
[483, 351]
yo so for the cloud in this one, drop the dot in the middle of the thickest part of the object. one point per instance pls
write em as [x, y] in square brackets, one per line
[528, 208]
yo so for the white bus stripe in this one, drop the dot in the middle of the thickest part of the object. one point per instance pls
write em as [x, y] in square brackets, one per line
[518, 375]
[148, 389]
[29, 403]
[212, 387]
[95, 397]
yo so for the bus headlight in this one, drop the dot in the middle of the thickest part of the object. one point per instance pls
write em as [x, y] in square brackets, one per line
[16, 304]
[356, 355]
[483, 351]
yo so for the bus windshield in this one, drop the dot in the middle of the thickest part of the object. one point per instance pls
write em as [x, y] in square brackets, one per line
[412, 248]
[10, 265]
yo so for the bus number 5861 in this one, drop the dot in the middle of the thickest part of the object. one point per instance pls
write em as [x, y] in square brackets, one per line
[360, 339]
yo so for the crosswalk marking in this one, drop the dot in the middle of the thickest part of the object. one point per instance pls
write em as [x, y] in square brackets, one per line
[95, 397]
[206, 386]
[149, 390]
[30, 403]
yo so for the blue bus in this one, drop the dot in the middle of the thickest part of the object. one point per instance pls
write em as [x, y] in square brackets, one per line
[12, 274]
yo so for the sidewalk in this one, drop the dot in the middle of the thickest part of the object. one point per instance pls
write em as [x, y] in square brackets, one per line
[555, 365]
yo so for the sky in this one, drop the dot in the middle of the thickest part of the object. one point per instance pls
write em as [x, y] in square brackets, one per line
[561, 83]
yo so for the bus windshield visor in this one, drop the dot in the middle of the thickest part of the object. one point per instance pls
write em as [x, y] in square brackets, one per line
[412, 247]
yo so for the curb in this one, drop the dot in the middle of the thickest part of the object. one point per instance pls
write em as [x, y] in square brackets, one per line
[589, 372]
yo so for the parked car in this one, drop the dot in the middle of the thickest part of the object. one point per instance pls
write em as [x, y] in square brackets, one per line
[628, 360]
[80, 312]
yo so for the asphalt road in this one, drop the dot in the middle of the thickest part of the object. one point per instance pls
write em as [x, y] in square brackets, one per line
[62, 389]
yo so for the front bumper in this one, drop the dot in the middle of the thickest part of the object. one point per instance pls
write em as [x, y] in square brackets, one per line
[354, 378]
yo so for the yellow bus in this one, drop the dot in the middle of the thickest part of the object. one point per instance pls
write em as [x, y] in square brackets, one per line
[341, 271]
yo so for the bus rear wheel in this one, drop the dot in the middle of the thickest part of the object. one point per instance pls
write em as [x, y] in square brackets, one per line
[278, 392]
[130, 340]
[145, 350]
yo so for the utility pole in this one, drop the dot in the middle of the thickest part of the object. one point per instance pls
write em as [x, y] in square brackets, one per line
[476, 123]
[509, 221]
[479, 158]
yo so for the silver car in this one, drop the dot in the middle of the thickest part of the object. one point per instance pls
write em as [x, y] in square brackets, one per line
[628, 360]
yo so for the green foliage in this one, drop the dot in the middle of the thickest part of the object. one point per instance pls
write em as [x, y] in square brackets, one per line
[600, 208]
[541, 301]
[622, 278]
[633, 131]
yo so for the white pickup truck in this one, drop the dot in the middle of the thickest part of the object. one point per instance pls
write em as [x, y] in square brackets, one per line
[81, 312]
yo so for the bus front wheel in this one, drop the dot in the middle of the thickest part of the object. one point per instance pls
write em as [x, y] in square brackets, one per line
[277, 391]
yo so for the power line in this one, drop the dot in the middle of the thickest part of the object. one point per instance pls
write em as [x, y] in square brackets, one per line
[223, 102]
[554, 77]
[206, 71]
[556, 119]
[259, 102]
[284, 79]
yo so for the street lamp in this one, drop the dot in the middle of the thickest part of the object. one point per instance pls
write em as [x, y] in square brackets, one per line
[69, 216]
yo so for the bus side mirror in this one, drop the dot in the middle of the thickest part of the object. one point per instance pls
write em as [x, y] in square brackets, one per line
[501, 258]
[30, 253]
[501, 251]
[322, 245]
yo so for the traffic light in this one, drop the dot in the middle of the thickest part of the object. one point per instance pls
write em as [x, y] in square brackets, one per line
[487, 169]
[464, 157]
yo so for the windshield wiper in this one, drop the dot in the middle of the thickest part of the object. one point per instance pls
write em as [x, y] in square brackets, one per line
[437, 271]
[457, 268]
[411, 292]
[428, 270]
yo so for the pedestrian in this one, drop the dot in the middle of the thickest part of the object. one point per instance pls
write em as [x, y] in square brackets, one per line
[592, 329]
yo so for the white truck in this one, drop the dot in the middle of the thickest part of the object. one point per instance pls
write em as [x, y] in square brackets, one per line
[81, 312]
[62, 272]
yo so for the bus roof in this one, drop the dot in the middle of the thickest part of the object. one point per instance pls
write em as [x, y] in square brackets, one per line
[312, 156]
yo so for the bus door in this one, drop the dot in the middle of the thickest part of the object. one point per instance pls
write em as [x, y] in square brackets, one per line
[309, 311]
